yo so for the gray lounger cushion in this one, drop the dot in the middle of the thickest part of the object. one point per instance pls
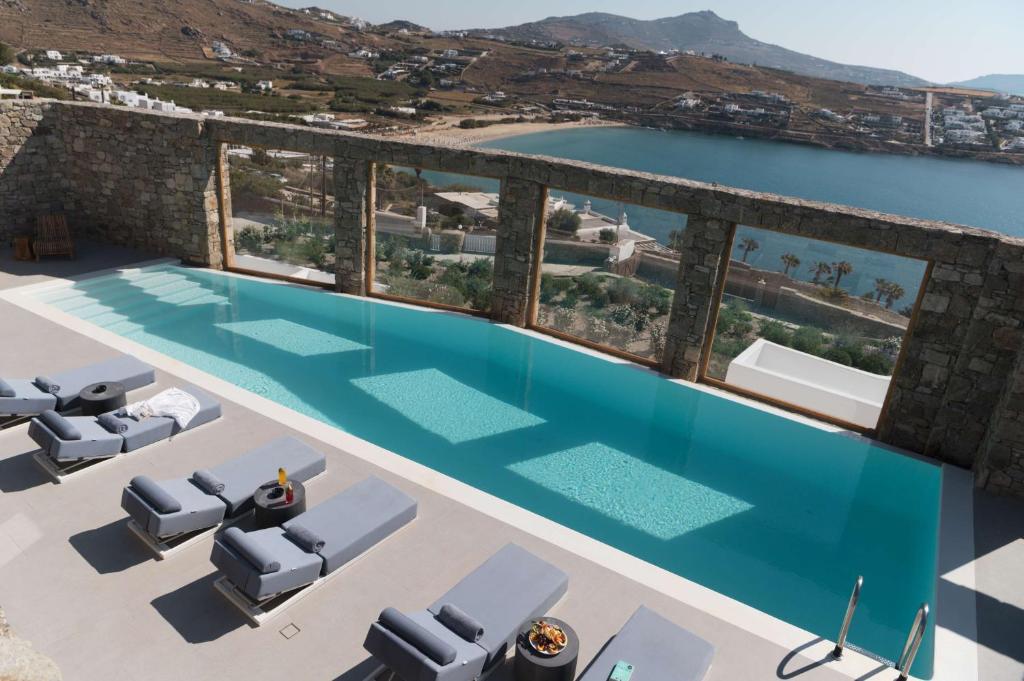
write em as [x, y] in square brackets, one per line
[252, 550]
[201, 510]
[411, 664]
[144, 432]
[419, 637]
[461, 623]
[350, 523]
[657, 649]
[125, 369]
[242, 475]
[207, 481]
[61, 427]
[305, 539]
[95, 442]
[357, 519]
[509, 588]
[296, 568]
[198, 510]
[27, 399]
[155, 495]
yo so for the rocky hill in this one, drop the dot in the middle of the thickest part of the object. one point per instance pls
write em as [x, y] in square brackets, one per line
[1008, 83]
[157, 29]
[699, 31]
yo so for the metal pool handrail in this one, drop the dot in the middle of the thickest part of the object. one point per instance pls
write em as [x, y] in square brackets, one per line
[913, 643]
[837, 652]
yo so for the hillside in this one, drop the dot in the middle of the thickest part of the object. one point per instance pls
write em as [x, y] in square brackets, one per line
[158, 30]
[1007, 83]
[698, 31]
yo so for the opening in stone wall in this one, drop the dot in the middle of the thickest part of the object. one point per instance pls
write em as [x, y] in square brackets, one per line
[435, 237]
[608, 273]
[282, 213]
[812, 324]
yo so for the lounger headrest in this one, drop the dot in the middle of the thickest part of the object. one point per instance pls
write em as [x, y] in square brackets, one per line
[419, 638]
[154, 495]
[259, 556]
[306, 539]
[112, 424]
[460, 623]
[46, 385]
[5, 389]
[60, 426]
[207, 481]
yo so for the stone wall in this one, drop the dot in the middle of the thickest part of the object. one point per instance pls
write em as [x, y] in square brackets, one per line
[30, 180]
[142, 180]
[148, 180]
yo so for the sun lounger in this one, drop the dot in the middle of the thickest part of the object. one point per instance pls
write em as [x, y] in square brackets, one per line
[200, 503]
[59, 391]
[68, 443]
[512, 587]
[657, 649]
[265, 570]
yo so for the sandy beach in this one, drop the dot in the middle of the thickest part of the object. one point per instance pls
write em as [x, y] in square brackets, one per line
[450, 134]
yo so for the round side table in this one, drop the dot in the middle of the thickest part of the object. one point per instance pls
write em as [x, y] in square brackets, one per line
[101, 398]
[532, 666]
[272, 507]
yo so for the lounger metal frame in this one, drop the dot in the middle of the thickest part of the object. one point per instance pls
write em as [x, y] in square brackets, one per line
[171, 546]
[259, 613]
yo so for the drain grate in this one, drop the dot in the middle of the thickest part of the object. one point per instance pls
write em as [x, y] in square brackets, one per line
[290, 631]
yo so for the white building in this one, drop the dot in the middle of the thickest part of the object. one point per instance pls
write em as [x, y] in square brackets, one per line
[450, 54]
[199, 83]
[111, 59]
[54, 55]
[1016, 144]
[265, 85]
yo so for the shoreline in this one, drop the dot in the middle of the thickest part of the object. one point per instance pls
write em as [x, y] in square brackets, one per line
[452, 135]
[449, 134]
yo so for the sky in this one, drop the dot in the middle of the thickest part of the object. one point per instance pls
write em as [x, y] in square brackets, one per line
[938, 40]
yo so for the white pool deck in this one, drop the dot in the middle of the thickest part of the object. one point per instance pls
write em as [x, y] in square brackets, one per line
[85, 592]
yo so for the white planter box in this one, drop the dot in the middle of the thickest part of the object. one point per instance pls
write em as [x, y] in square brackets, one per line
[810, 382]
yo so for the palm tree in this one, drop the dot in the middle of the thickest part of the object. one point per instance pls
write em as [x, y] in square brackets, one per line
[840, 269]
[893, 293]
[881, 287]
[748, 245]
[790, 261]
[819, 270]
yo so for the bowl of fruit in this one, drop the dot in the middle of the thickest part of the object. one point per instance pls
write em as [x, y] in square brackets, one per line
[547, 638]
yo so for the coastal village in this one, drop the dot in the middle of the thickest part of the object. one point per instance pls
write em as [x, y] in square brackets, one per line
[403, 79]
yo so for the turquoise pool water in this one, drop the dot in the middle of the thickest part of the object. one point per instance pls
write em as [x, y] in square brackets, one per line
[776, 514]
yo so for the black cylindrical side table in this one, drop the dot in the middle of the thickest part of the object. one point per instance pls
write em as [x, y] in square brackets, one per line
[532, 666]
[100, 398]
[272, 507]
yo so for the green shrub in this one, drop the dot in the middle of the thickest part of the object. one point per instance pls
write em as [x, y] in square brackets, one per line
[451, 241]
[589, 285]
[876, 363]
[808, 339]
[608, 236]
[776, 332]
[624, 291]
[564, 220]
[570, 301]
[838, 356]
[729, 347]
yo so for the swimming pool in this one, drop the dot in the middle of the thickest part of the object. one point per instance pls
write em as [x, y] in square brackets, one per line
[777, 514]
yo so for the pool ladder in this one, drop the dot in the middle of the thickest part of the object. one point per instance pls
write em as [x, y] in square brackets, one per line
[913, 643]
[914, 638]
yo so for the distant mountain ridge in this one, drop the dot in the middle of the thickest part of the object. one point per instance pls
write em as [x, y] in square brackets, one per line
[700, 31]
[999, 82]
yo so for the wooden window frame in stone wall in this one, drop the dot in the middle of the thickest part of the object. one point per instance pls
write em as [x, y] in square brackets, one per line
[224, 204]
[533, 306]
[370, 267]
[716, 303]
